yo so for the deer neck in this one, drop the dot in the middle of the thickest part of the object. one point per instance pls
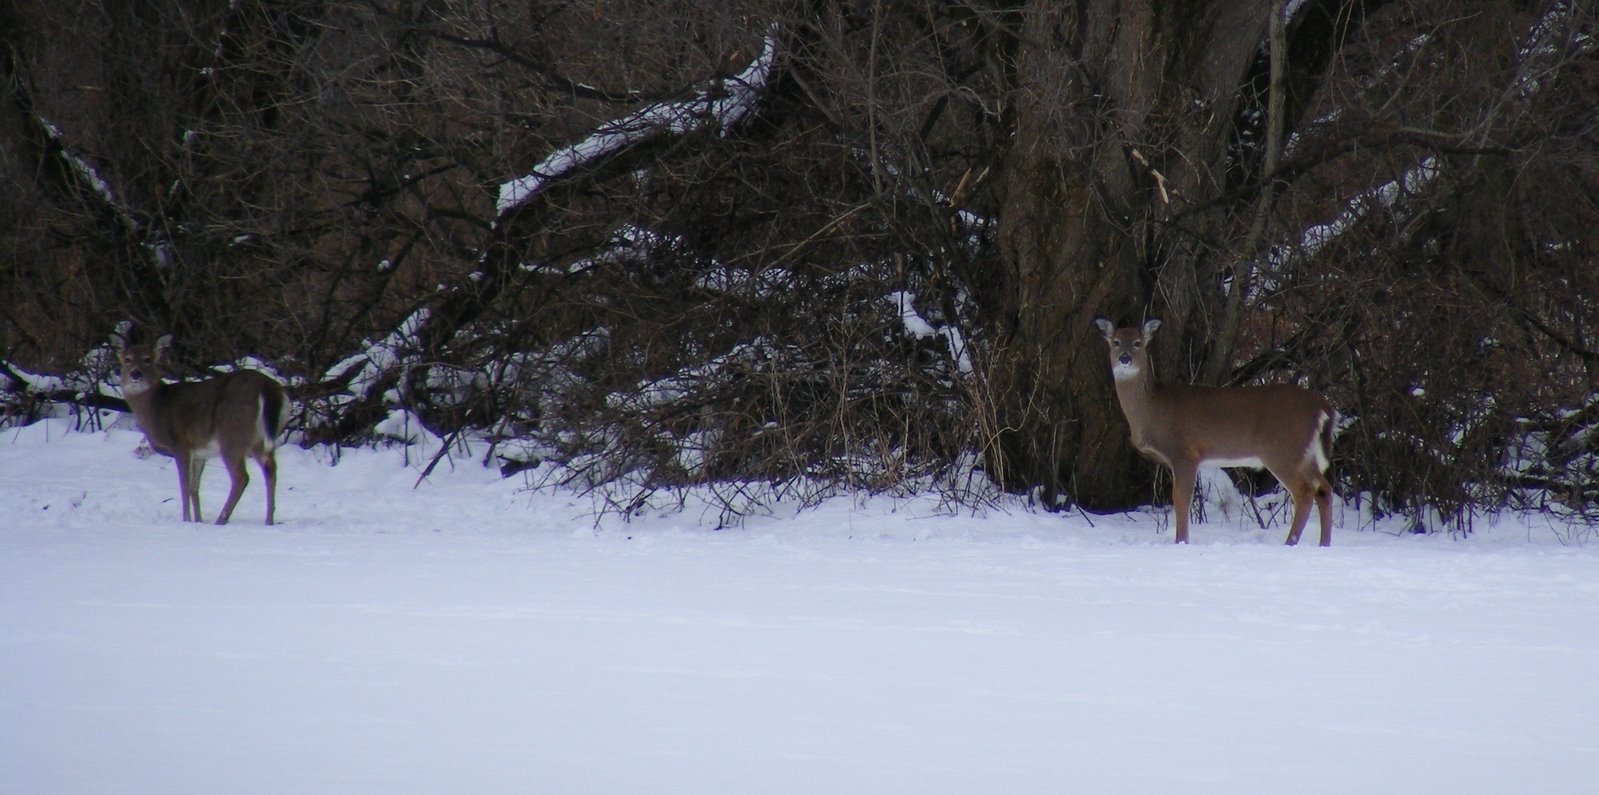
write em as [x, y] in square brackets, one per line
[152, 412]
[1140, 397]
[143, 401]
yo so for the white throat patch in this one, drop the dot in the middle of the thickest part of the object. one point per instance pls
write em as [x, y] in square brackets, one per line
[131, 387]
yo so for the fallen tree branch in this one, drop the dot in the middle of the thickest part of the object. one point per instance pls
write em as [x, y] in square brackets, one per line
[618, 147]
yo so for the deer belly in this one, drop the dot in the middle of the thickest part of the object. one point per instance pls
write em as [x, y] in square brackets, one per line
[208, 450]
[1251, 462]
[1154, 455]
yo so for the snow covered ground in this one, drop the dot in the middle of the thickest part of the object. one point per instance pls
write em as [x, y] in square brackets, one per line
[472, 636]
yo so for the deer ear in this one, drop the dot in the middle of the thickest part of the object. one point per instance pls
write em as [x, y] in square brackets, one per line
[163, 345]
[1150, 325]
[119, 335]
[1105, 327]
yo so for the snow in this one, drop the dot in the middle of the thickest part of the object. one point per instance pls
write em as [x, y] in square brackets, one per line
[904, 301]
[1555, 36]
[739, 93]
[915, 324]
[472, 635]
[42, 383]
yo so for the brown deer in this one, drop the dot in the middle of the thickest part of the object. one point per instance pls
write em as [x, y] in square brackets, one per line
[1286, 429]
[229, 417]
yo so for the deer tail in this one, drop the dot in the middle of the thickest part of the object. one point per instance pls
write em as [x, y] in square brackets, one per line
[274, 413]
[1324, 436]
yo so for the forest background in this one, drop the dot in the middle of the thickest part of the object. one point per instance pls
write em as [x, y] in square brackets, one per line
[782, 248]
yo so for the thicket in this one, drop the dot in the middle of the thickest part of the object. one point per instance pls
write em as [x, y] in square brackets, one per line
[782, 248]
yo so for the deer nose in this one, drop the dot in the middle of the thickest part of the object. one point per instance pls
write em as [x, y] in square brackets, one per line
[1126, 358]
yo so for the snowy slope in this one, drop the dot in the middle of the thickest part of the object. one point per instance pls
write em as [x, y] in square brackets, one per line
[472, 636]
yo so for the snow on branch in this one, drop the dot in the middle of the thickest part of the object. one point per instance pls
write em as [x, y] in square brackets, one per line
[724, 104]
[363, 372]
[1550, 37]
[1382, 197]
[1553, 38]
[158, 248]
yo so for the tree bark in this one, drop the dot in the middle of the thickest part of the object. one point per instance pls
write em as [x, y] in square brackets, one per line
[1122, 114]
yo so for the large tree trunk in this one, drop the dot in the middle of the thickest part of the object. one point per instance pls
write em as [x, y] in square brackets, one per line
[1123, 112]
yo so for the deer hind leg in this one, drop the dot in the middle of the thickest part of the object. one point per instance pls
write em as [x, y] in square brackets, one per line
[1183, 476]
[239, 477]
[268, 462]
[1324, 511]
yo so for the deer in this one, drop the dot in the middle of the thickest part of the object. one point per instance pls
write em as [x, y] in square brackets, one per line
[232, 416]
[1283, 428]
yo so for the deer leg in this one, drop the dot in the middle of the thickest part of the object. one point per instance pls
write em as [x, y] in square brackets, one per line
[196, 470]
[182, 460]
[239, 478]
[1324, 511]
[1302, 498]
[1183, 476]
[269, 473]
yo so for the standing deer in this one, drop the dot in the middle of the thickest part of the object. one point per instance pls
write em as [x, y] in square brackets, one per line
[1284, 428]
[229, 417]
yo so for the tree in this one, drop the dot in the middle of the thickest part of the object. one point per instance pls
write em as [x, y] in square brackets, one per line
[1124, 113]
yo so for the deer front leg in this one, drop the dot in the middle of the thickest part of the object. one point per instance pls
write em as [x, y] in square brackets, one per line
[1183, 475]
[196, 472]
[1303, 496]
[182, 462]
[183, 483]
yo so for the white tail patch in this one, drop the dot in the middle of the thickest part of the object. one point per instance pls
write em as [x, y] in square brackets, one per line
[269, 438]
[1317, 449]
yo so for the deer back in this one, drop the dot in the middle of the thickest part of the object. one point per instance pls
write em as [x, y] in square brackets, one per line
[233, 411]
[1251, 425]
